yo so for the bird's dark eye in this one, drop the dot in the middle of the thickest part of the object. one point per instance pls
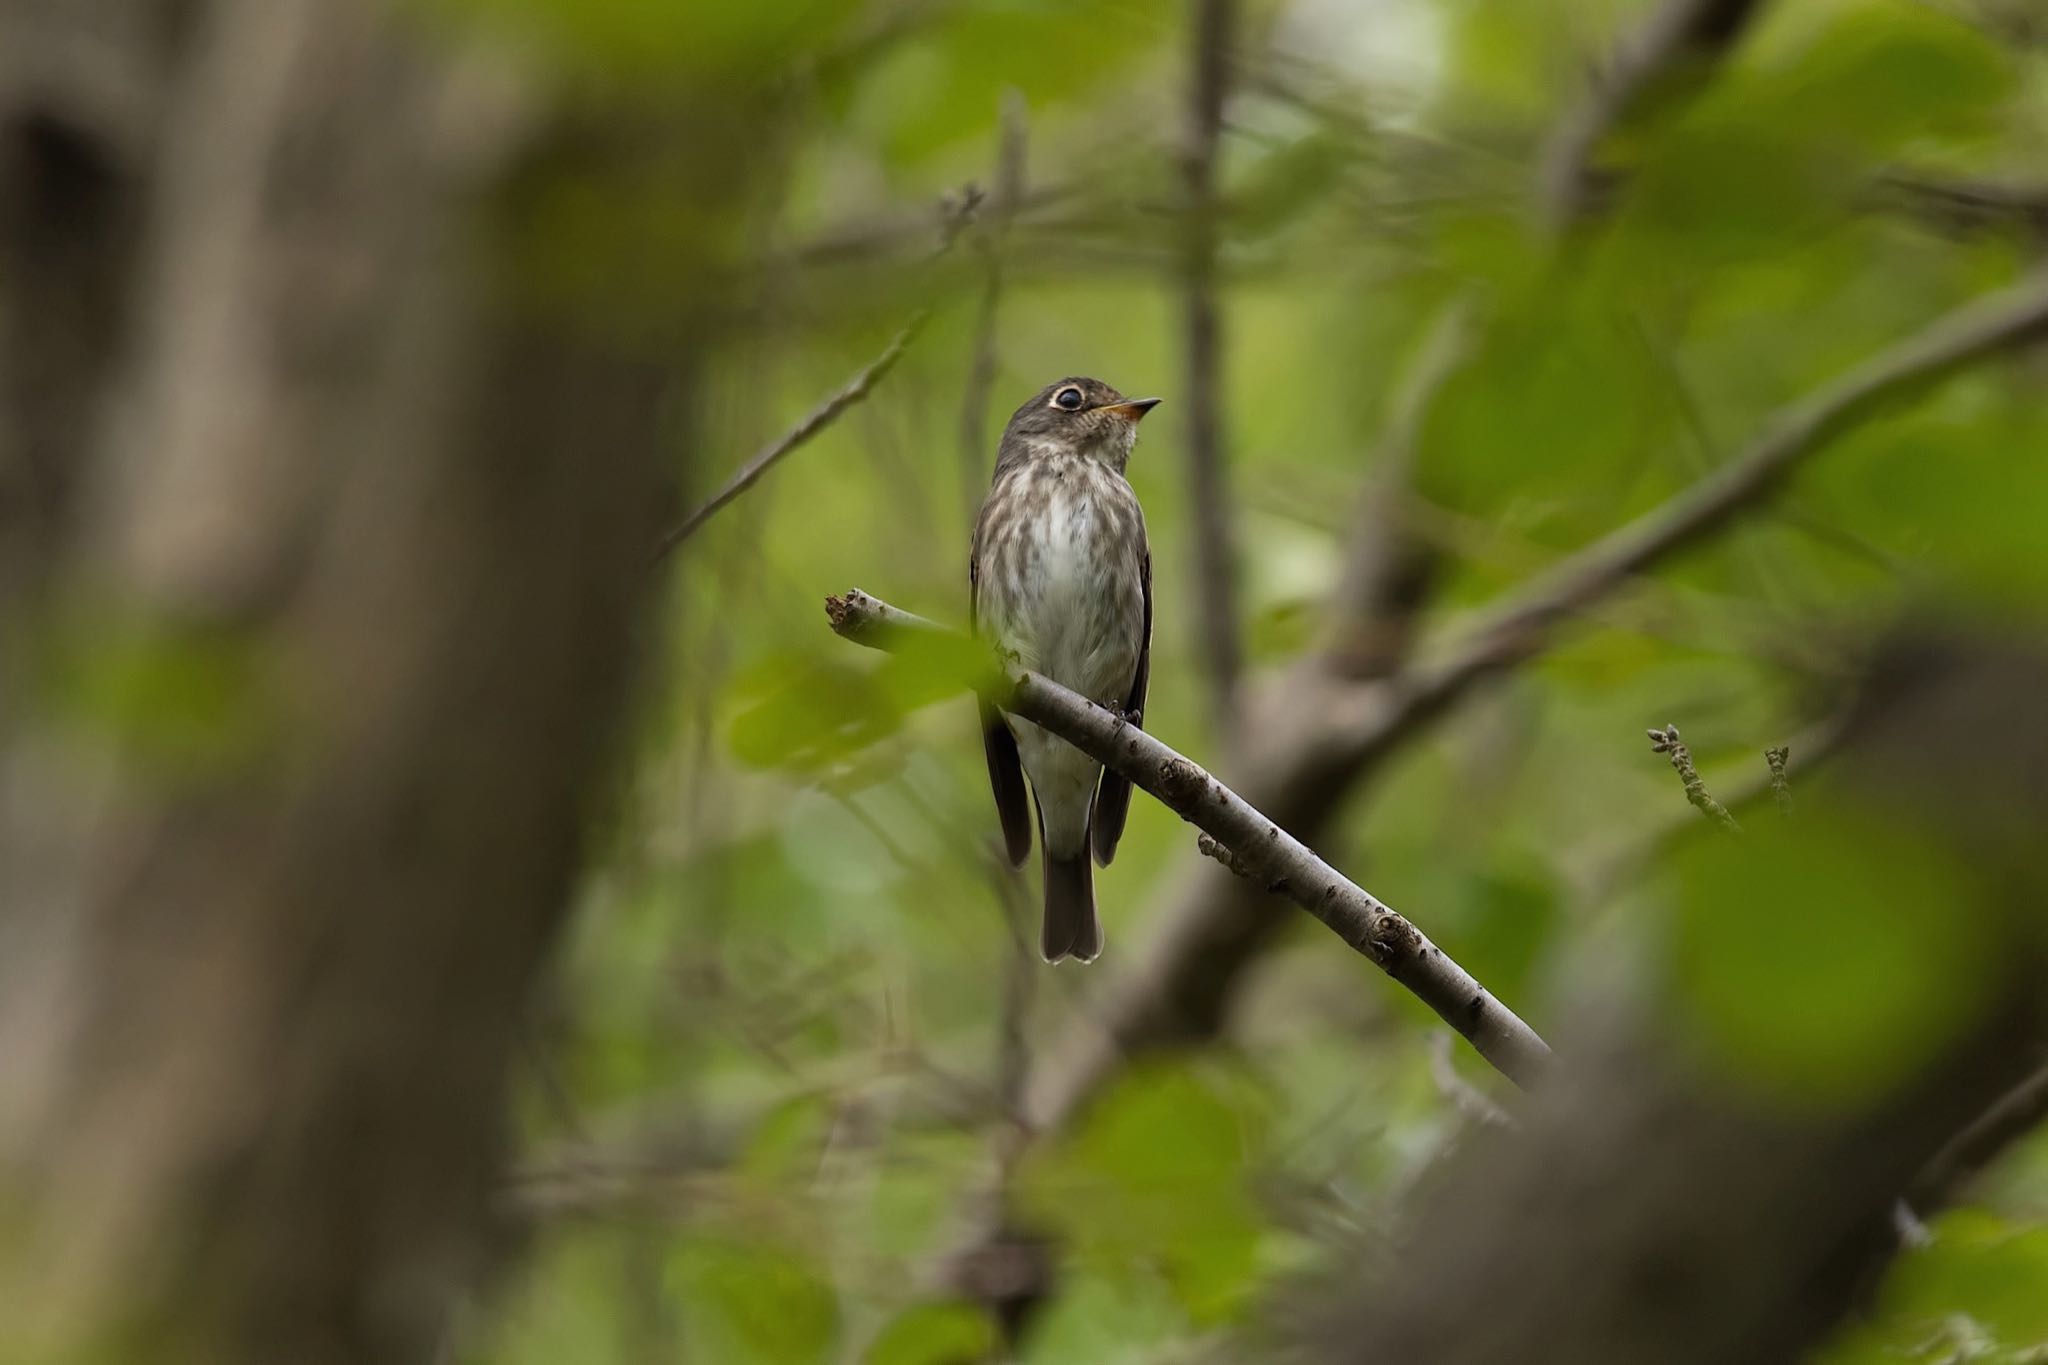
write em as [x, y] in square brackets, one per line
[1068, 398]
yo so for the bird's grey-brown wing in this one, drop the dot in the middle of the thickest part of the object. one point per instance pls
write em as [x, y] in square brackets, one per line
[1113, 797]
[1005, 770]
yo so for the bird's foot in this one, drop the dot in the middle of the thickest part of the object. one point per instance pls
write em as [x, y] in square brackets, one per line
[1134, 716]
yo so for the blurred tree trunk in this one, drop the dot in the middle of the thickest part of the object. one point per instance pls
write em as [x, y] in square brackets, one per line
[1663, 1200]
[325, 545]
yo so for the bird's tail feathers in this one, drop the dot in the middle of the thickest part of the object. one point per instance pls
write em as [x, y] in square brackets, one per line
[1070, 927]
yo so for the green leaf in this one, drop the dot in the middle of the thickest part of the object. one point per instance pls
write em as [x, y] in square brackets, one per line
[1982, 1265]
[933, 1334]
[752, 1303]
[811, 712]
[786, 1144]
[1975, 1293]
[1819, 963]
[1156, 1178]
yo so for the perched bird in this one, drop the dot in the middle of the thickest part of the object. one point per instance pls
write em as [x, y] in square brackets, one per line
[1062, 579]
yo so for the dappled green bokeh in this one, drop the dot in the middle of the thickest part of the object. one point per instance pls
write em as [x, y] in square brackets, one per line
[778, 1025]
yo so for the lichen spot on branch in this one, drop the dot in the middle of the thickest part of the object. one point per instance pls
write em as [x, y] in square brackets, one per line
[1393, 943]
[1181, 784]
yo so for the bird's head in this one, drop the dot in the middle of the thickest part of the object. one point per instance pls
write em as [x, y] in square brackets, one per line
[1083, 417]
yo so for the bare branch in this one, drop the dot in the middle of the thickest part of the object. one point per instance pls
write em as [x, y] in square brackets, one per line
[1619, 863]
[958, 211]
[1667, 742]
[1961, 204]
[1020, 980]
[1208, 847]
[2015, 1114]
[1215, 569]
[1520, 625]
[1666, 59]
[1781, 785]
[1763, 1231]
[890, 234]
[1266, 852]
[1765, 1222]
[1388, 563]
[981, 370]
[772, 454]
[1324, 736]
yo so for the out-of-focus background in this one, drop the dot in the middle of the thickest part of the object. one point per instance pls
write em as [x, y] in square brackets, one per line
[462, 903]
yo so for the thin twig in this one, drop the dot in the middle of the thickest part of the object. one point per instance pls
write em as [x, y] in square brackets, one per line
[1960, 204]
[1214, 548]
[2016, 1113]
[1266, 852]
[1669, 55]
[1208, 846]
[1388, 564]
[958, 211]
[1742, 792]
[886, 236]
[1667, 742]
[1011, 150]
[1468, 1099]
[1020, 981]
[1781, 785]
[772, 454]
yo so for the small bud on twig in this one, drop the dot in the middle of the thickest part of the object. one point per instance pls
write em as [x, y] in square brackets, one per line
[1666, 741]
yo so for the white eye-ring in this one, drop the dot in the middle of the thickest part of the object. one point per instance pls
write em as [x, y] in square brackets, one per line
[1068, 398]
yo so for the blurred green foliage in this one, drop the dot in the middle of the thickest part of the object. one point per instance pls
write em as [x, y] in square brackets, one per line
[772, 1068]
[1837, 1004]
[180, 702]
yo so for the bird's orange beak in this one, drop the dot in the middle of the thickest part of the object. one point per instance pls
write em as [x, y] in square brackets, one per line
[1133, 409]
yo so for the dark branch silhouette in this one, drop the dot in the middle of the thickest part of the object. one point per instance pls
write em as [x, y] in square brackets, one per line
[772, 454]
[1667, 60]
[959, 211]
[977, 457]
[2016, 1113]
[1651, 1208]
[1215, 538]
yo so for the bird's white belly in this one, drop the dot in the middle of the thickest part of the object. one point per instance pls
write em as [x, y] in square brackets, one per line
[1078, 620]
[1079, 629]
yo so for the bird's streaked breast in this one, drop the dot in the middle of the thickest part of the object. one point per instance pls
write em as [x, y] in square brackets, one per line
[1060, 578]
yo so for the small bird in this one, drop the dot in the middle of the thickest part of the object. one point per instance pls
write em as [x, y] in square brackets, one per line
[1061, 579]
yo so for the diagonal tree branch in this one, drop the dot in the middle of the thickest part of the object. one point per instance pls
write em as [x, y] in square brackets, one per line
[959, 210]
[1389, 566]
[1323, 736]
[1764, 1220]
[1666, 60]
[772, 454]
[2016, 1113]
[1261, 849]
[1958, 205]
[1520, 625]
